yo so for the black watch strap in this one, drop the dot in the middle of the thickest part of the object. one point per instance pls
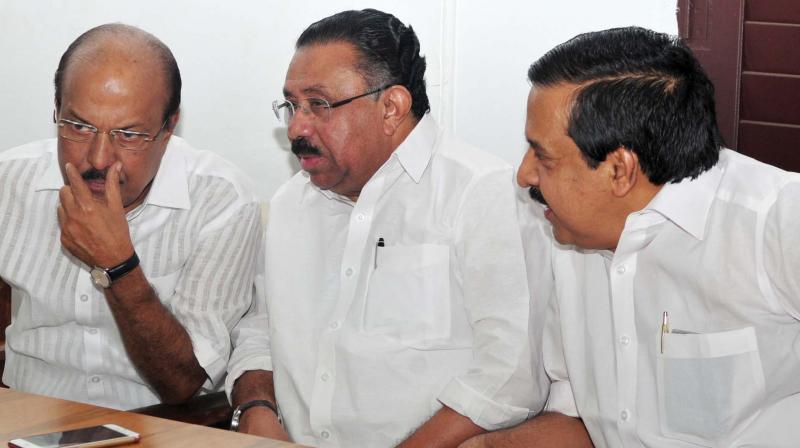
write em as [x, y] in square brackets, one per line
[123, 268]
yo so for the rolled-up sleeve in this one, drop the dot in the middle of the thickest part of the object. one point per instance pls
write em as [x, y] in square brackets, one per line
[561, 398]
[215, 287]
[250, 336]
[505, 383]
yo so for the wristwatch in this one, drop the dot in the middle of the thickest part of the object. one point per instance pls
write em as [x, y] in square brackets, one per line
[103, 277]
[237, 413]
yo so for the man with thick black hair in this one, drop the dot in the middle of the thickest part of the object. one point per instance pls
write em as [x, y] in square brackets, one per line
[395, 284]
[674, 318]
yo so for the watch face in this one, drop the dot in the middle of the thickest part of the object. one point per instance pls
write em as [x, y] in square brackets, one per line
[100, 277]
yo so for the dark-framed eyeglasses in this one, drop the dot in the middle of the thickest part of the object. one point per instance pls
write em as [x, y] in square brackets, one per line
[319, 108]
[76, 131]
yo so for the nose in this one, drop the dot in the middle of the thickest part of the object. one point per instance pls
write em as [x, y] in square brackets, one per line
[301, 124]
[528, 174]
[101, 151]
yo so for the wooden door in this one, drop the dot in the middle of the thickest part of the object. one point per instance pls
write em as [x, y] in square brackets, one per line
[751, 51]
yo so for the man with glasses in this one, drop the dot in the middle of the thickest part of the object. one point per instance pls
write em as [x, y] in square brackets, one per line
[130, 255]
[395, 305]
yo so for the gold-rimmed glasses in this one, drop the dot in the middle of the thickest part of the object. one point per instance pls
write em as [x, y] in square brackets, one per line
[79, 132]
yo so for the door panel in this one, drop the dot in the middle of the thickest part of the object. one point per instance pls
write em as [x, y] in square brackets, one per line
[773, 144]
[771, 48]
[770, 98]
[782, 11]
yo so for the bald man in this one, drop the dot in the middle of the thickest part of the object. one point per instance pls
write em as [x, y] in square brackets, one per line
[130, 255]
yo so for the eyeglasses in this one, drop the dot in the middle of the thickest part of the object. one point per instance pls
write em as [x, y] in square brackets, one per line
[318, 107]
[78, 132]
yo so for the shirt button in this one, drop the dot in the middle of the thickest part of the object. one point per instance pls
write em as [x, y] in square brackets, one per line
[335, 325]
[361, 217]
[625, 340]
[93, 331]
[325, 434]
[325, 376]
[95, 379]
[621, 269]
[84, 298]
[348, 272]
[624, 415]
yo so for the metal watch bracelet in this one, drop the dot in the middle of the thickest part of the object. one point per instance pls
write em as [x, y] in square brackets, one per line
[237, 413]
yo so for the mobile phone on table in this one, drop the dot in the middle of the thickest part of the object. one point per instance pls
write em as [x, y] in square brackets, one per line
[94, 436]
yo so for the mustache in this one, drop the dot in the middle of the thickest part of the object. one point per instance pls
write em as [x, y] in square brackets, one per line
[94, 174]
[301, 147]
[536, 195]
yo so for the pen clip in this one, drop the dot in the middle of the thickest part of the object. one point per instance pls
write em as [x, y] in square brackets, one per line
[379, 243]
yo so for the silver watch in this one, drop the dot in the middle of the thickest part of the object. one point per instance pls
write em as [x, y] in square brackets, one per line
[237, 413]
[103, 277]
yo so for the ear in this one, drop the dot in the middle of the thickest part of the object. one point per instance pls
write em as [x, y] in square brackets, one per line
[172, 122]
[396, 108]
[624, 165]
[57, 109]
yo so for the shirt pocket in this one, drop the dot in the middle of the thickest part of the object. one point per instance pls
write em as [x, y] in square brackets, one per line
[709, 385]
[409, 294]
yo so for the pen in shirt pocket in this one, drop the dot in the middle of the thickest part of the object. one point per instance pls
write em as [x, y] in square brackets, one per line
[664, 328]
[380, 243]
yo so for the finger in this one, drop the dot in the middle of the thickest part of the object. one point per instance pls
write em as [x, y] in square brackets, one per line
[80, 190]
[62, 223]
[67, 199]
[113, 195]
[62, 217]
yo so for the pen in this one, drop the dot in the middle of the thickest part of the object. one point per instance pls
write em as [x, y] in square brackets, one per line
[664, 328]
[380, 243]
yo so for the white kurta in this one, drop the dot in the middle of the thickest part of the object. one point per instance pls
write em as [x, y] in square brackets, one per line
[197, 235]
[367, 342]
[719, 254]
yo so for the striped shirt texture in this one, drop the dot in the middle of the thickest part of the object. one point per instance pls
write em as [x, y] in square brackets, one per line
[197, 235]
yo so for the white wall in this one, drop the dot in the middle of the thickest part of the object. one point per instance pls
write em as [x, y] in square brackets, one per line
[233, 56]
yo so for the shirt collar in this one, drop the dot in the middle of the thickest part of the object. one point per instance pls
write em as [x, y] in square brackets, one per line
[170, 187]
[414, 154]
[688, 202]
[51, 179]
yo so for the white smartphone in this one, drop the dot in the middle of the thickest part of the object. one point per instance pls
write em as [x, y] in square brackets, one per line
[103, 435]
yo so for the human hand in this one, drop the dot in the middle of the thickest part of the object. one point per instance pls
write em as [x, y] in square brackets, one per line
[260, 421]
[93, 227]
[475, 442]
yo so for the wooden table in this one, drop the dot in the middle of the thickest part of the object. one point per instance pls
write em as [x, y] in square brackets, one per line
[23, 414]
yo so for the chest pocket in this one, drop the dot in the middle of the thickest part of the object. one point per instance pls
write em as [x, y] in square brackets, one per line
[409, 294]
[709, 385]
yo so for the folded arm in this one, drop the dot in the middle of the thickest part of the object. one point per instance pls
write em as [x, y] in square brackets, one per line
[548, 430]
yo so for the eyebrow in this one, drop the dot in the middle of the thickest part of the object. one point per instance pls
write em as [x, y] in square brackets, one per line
[77, 117]
[535, 144]
[312, 90]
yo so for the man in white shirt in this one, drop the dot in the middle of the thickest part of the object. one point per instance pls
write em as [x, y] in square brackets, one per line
[396, 297]
[130, 255]
[677, 297]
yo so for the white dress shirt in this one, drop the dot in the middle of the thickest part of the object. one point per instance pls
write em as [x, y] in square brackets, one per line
[197, 235]
[721, 255]
[367, 342]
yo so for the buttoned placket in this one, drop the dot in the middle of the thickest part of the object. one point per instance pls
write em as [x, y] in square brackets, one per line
[622, 273]
[351, 271]
[86, 296]
[86, 300]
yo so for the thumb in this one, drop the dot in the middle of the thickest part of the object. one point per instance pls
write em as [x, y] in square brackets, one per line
[113, 195]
